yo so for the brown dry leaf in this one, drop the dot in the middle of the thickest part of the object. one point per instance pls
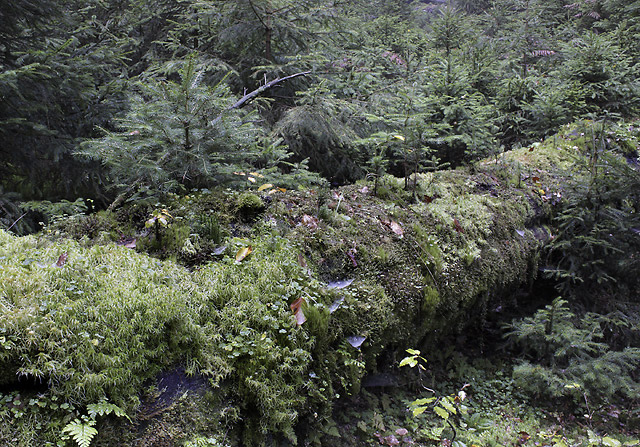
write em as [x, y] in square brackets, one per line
[296, 308]
[390, 440]
[62, 259]
[458, 227]
[396, 228]
[310, 222]
[302, 261]
[243, 253]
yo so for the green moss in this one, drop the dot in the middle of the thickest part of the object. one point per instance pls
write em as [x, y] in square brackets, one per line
[249, 203]
[110, 318]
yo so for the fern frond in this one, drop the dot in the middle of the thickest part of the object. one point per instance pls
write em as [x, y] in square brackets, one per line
[105, 407]
[81, 432]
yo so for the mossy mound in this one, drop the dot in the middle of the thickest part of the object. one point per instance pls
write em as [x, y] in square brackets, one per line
[281, 301]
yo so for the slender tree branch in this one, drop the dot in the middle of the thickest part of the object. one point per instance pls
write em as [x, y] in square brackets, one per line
[250, 96]
[16, 221]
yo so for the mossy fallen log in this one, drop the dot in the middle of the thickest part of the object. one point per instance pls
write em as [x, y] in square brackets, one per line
[332, 280]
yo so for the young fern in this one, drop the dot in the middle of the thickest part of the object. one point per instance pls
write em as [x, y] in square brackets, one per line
[82, 430]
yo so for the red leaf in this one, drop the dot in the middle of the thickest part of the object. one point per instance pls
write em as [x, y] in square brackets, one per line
[62, 259]
[296, 308]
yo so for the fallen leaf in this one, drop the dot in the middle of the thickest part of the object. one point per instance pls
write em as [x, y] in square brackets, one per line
[535, 179]
[390, 440]
[251, 179]
[364, 190]
[302, 261]
[336, 304]
[458, 227]
[134, 132]
[356, 340]
[265, 186]
[339, 284]
[62, 259]
[296, 308]
[524, 436]
[310, 222]
[219, 250]
[243, 253]
[128, 242]
[428, 199]
[401, 432]
[352, 255]
[520, 232]
[396, 228]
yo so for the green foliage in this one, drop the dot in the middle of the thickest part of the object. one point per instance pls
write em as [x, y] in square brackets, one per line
[81, 431]
[318, 129]
[448, 408]
[570, 356]
[177, 134]
[605, 73]
[597, 242]
[108, 320]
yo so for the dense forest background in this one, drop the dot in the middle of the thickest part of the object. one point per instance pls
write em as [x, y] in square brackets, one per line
[115, 103]
[99, 95]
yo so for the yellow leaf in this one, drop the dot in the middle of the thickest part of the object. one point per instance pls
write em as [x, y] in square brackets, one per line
[265, 186]
[243, 253]
[399, 137]
[251, 179]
